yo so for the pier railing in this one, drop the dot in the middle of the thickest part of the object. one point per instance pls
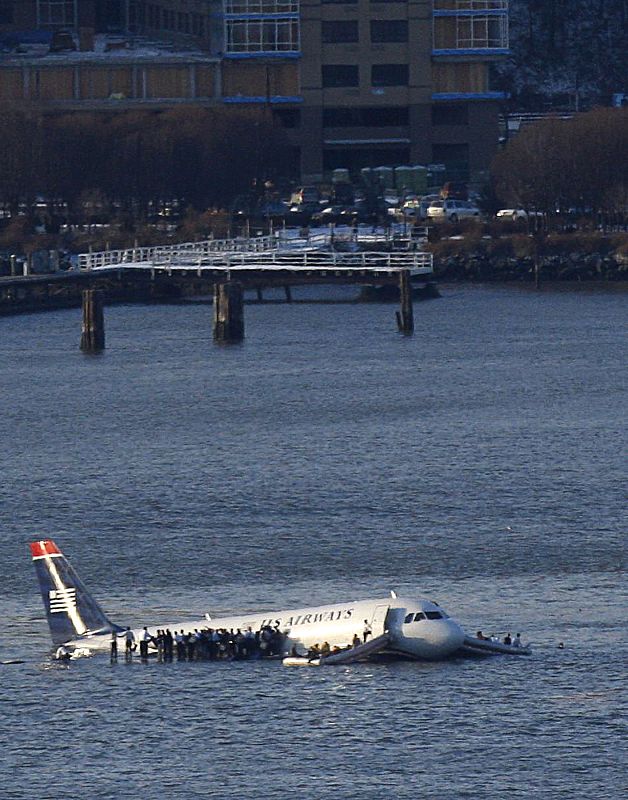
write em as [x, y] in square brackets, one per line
[110, 258]
[278, 260]
[280, 241]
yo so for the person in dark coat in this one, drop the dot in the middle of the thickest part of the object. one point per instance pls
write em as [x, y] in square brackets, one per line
[168, 644]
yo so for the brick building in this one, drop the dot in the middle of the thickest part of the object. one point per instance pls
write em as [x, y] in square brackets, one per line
[355, 82]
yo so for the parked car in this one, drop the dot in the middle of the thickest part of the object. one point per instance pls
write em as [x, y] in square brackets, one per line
[416, 208]
[516, 214]
[274, 209]
[341, 215]
[342, 194]
[391, 198]
[452, 210]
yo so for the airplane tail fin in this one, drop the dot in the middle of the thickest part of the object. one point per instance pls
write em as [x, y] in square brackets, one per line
[71, 611]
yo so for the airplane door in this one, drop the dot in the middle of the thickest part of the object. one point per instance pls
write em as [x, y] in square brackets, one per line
[378, 622]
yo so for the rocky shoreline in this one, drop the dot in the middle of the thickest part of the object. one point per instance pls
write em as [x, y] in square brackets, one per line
[572, 267]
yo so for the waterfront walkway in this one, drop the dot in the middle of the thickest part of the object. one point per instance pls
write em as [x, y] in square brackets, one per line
[168, 273]
[342, 251]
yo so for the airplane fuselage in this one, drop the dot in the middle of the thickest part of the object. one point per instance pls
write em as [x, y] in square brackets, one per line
[418, 629]
[414, 628]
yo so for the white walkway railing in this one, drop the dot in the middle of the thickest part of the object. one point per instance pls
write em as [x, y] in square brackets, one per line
[285, 241]
[283, 260]
[109, 258]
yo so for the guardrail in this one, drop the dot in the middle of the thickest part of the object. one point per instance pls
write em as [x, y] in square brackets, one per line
[399, 234]
[110, 258]
[278, 242]
[282, 260]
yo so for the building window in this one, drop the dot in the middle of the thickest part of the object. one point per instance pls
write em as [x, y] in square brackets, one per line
[389, 30]
[261, 26]
[339, 75]
[259, 35]
[261, 6]
[365, 117]
[357, 158]
[287, 117]
[6, 12]
[56, 13]
[481, 32]
[455, 157]
[168, 18]
[339, 32]
[389, 75]
[467, 27]
[198, 24]
[340, 2]
[450, 114]
[154, 16]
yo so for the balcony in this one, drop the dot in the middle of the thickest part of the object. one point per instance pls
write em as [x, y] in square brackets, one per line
[240, 8]
[265, 28]
[454, 7]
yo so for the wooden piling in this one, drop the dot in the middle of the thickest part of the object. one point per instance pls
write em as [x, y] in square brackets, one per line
[93, 331]
[539, 241]
[405, 315]
[288, 292]
[228, 312]
[537, 272]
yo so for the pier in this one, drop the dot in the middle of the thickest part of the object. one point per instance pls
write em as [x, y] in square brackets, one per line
[224, 270]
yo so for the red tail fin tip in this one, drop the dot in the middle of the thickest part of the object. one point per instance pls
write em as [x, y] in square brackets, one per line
[44, 547]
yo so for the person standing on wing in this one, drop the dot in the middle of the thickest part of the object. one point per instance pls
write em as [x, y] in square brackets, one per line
[145, 638]
[114, 646]
[129, 644]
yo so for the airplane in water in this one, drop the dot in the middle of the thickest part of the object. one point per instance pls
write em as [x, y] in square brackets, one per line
[401, 627]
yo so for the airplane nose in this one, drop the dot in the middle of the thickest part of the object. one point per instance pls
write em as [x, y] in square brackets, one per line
[456, 633]
[451, 636]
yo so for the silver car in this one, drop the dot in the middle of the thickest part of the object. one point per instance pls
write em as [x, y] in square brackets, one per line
[451, 210]
[416, 207]
[516, 214]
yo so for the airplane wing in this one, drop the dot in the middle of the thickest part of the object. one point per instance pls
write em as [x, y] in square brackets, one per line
[475, 646]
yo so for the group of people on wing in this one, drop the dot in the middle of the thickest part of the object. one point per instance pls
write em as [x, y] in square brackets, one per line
[207, 644]
[317, 651]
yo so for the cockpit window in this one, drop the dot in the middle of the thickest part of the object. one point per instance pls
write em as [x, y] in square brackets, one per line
[419, 616]
[433, 615]
[408, 617]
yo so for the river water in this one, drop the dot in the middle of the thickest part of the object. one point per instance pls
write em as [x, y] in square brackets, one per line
[480, 463]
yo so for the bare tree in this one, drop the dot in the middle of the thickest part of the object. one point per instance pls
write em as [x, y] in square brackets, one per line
[556, 163]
